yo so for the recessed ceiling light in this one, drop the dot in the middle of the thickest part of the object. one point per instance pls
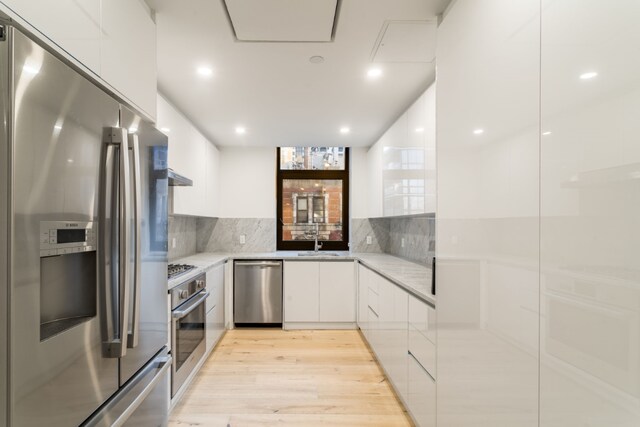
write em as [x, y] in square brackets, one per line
[241, 130]
[546, 133]
[478, 131]
[205, 71]
[133, 129]
[344, 130]
[58, 127]
[316, 59]
[420, 129]
[588, 76]
[374, 73]
[69, 160]
[302, 188]
[165, 130]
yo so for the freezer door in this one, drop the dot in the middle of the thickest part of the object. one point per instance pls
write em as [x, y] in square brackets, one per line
[148, 314]
[142, 402]
[4, 189]
[58, 120]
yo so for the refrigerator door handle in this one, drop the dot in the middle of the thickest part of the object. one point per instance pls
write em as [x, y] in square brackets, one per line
[132, 340]
[116, 202]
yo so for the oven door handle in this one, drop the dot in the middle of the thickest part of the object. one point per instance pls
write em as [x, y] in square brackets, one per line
[190, 306]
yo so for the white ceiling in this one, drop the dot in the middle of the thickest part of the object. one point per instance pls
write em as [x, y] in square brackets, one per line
[273, 90]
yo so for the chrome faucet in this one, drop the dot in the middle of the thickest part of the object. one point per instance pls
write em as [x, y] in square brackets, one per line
[317, 246]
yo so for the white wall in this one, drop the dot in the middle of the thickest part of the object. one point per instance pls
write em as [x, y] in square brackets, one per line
[247, 182]
[358, 182]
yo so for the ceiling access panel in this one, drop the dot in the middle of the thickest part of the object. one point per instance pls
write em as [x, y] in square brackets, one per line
[283, 21]
[406, 41]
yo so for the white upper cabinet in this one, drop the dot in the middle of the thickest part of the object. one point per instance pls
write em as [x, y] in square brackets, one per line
[74, 25]
[114, 39]
[374, 175]
[191, 155]
[128, 59]
[402, 163]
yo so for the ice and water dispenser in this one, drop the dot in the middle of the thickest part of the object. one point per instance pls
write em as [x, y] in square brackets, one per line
[68, 279]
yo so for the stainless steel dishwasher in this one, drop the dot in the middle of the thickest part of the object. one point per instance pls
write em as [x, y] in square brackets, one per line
[257, 293]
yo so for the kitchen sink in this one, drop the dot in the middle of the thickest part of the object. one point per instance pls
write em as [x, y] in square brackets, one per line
[312, 253]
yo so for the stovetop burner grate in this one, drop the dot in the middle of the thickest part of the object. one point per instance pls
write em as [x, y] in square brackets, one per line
[175, 270]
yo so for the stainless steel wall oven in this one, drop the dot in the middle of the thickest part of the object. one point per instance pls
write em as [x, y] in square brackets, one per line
[188, 335]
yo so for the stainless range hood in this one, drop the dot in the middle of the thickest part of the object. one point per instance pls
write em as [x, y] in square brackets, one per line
[177, 180]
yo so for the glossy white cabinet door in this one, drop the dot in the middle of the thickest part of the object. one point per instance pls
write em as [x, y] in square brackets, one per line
[430, 149]
[337, 292]
[422, 334]
[192, 155]
[402, 170]
[74, 25]
[392, 345]
[363, 293]
[301, 291]
[374, 174]
[214, 326]
[421, 394]
[590, 207]
[128, 52]
[215, 286]
[212, 180]
[488, 87]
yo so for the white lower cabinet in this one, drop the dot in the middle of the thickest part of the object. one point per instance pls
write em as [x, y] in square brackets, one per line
[215, 325]
[400, 329]
[363, 289]
[215, 305]
[422, 341]
[392, 333]
[319, 292]
[421, 394]
[301, 291]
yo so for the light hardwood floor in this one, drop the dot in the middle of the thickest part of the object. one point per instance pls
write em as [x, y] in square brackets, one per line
[295, 378]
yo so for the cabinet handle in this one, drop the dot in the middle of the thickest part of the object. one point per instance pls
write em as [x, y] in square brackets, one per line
[433, 276]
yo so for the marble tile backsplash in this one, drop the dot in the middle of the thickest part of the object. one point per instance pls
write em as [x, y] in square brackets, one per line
[194, 235]
[387, 235]
[223, 234]
[183, 230]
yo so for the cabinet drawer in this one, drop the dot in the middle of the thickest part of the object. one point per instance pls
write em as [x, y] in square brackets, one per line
[421, 394]
[423, 350]
[423, 318]
[370, 332]
[372, 300]
[215, 285]
[214, 326]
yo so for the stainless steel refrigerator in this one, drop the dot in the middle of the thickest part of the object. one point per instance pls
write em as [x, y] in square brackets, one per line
[83, 249]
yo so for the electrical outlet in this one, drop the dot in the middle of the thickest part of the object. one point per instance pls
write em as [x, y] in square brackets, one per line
[368, 240]
[173, 243]
[243, 239]
[402, 242]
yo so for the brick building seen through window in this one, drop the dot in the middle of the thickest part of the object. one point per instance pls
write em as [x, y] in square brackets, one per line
[313, 197]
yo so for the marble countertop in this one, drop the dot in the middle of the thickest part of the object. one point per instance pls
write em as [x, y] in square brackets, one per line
[411, 276]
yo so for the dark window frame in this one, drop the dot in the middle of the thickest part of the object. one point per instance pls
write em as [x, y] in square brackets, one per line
[303, 245]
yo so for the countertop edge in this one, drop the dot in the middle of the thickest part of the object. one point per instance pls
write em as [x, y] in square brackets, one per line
[224, 258]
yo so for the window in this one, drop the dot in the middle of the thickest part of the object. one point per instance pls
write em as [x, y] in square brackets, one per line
[313, 186]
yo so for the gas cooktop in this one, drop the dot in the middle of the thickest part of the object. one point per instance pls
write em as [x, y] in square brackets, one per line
[175, 270]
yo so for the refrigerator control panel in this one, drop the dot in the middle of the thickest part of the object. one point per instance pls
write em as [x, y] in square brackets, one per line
[66, 237]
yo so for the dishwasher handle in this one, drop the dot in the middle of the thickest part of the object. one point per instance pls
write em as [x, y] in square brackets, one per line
[258, 264]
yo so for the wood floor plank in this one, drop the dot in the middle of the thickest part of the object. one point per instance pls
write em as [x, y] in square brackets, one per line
[268, 377]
